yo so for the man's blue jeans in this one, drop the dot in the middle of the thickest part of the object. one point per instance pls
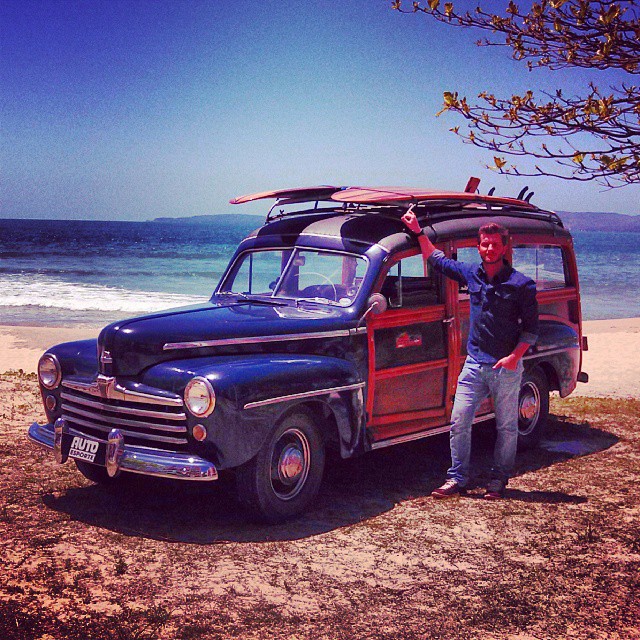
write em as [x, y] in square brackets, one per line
[475, 383]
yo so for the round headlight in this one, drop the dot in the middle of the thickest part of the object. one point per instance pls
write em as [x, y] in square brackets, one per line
[200, 397]
[49, 371]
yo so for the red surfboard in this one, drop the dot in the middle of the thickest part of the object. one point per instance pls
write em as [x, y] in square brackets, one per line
[322, 192]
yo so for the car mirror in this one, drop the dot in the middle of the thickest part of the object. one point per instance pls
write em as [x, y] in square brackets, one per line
[377, 304]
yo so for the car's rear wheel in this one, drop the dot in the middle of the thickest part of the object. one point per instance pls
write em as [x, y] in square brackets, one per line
[533, 408]
[285, 475]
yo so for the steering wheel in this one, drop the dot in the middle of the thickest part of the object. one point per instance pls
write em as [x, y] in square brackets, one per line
[329, 282]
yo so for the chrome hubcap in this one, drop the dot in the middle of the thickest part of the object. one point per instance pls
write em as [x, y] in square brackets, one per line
[290, 464]
[529, 408]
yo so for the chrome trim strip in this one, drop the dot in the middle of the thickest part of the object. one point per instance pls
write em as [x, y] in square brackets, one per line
[115, 451]
[143, 460]
[340, 333]
[357, 331]
[304, 394]
[167, 464]
[133, 434]
[127, 423]
[42, 434]
[107, 387]
[549, 352]
[424, 434]
[120, 409]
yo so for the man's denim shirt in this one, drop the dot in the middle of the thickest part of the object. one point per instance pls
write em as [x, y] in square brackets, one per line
[503, 312]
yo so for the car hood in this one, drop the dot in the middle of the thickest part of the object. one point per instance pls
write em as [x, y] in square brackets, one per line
[128, 347]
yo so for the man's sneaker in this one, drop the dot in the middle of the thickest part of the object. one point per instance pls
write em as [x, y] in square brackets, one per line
[450, 489]
[495, 490]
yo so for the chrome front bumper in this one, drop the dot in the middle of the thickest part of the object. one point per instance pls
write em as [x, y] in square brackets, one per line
[133, 459]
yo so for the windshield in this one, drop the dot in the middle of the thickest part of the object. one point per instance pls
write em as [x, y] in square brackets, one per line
[306, 274]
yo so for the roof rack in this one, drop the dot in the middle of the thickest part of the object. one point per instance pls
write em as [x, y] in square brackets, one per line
[428, 205]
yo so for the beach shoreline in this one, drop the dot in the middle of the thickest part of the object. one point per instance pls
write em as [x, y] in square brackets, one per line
[614, 350]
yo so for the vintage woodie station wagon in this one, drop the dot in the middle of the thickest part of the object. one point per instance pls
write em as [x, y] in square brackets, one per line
[326, 332]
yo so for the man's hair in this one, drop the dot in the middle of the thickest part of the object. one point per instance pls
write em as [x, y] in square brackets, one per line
[493, 228]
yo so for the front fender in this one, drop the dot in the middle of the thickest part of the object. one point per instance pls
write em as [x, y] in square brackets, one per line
[78, 358]
[254, 391]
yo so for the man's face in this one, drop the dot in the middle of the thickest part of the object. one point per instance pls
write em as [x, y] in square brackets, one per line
[491, 248]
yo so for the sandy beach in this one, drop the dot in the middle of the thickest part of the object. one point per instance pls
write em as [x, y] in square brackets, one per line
[375, 557]
[611, 361]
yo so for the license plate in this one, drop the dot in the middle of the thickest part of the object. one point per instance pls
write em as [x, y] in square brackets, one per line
[82, 448]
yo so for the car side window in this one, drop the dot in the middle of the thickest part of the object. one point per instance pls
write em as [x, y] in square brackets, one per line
[407, 285]
[545, 265]
[470, 256]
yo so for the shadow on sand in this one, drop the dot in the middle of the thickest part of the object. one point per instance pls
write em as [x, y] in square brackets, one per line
[353, 490]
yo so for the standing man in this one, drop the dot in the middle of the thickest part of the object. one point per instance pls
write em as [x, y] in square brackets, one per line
[503, 325]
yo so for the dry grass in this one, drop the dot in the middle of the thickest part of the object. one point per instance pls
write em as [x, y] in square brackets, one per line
[375, 558]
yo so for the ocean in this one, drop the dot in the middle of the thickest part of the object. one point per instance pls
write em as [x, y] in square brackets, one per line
[61, 273]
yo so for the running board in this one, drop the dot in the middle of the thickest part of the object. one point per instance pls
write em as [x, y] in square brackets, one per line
[419, 435]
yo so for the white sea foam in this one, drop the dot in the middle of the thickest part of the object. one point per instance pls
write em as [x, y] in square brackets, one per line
[52, 293]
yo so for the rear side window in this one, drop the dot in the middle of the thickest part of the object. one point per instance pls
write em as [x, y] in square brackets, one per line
[545, 265]
[409, 284]
[470, 256]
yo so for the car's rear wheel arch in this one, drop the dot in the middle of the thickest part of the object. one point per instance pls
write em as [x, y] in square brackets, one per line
[551, 374]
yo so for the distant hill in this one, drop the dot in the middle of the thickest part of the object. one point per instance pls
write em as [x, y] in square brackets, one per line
[219, 219]
[586, 221]
[594, 221]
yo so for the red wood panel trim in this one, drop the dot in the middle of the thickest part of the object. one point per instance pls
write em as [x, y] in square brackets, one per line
[380, 421]
[409, 369]
[557, 295]
[399, 317]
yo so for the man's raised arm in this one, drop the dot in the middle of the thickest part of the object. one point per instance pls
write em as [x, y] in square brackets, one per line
[411, 222]
[451, 268]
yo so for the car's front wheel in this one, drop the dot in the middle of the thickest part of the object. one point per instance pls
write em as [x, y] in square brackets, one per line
[285, 475]
[533, 408]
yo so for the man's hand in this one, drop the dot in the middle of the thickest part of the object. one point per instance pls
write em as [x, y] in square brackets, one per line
[508, 362]
[426, 246]
[411, 222]
[511, 361]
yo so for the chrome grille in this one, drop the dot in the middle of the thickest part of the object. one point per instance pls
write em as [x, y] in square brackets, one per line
[157, 425]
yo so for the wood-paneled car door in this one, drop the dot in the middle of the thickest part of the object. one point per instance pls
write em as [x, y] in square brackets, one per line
[408, 354]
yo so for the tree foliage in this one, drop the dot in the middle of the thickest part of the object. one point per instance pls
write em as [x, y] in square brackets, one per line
[593, 136]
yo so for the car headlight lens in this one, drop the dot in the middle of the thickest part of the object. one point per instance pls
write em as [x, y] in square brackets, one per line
[49, 371]
[200, 397]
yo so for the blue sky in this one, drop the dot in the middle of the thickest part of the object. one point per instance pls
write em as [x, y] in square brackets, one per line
[134, 109]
